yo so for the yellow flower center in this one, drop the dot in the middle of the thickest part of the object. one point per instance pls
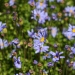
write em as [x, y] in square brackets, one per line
[55, 57]
[41, 3]
[71, 11]
[73, 30]
[42, 39]
[46, 55]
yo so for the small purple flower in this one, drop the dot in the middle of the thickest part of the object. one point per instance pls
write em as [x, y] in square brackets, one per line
[52, 7]
[12, 52]
[2, 26]
[54, 16]
[41, 48]
[40, 16]
[70, 33]
[54, 31]
[15, 43]
[17, 62]
[73, 65]
[73, 49]
[47, 55]
[3, 43]
[11, 2]
[28, 73]
[31, 33]
[35, 62]
[41, 5]
[56, 56]
[69, 10]
[31, 2]
[50, 64]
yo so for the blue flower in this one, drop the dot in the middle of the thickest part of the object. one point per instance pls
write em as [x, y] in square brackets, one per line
[31, 33]
[17, 62]
[73, 49]
[54, 16]
[70, 33]
[40, 16]
[50, 64]
[35, 62]
[11, 2]
[41, 5]
[28, 73]
[56, 56]
[54, 31]
[3, 43]
[69, 10]
[12, 53]
[15, 43]
[2, 26]
[41, 48]
[31, 2]
[47, 55]
[73, 65]
[40, 37]
[60, 1]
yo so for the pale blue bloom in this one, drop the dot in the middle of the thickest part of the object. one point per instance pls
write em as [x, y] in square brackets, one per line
[11, 2]
[60, 1]
[73, 65]
[70, 33]
[31, 2]
[54, 16]
[50, 64]
[73, 49]
[42, 16]
[17, 62]
[15, 43]
[54, 31]
[41, 48]
[11, 54]
[41, 4]
[2, 26]
[69, 10]
[47, 55]
[3, 43]
[56, 56]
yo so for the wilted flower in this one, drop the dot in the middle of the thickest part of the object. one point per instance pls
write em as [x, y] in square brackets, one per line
[54, 31]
